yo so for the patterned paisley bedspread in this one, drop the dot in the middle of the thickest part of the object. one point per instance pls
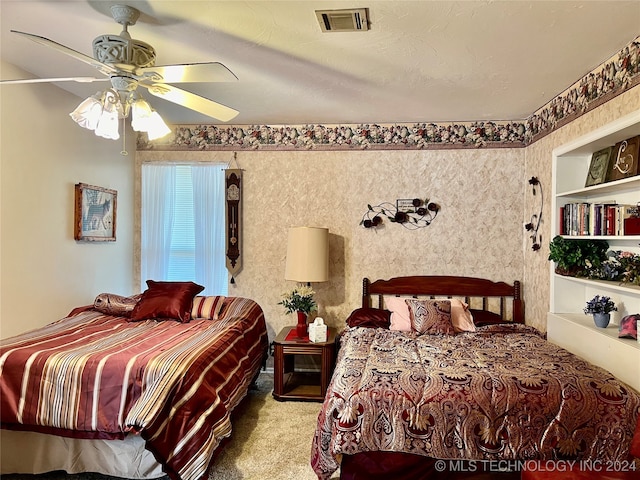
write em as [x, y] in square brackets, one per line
[99, 376]
[503, 392]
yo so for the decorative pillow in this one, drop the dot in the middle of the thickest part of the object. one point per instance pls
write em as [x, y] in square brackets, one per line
[117, 305]
[485, 317]
[461, 317]
[166, 300]
[400, 317]
[369, 317]
[207, 307]
[430, 316]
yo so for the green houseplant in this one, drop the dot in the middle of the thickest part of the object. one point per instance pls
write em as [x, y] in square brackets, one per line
[300, 299]
[575, 257]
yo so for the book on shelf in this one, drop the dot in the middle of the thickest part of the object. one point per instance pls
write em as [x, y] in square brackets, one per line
[605, 218]
[575, 219]
[624, 212]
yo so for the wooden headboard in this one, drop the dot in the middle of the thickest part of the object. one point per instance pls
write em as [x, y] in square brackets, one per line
[481, 294]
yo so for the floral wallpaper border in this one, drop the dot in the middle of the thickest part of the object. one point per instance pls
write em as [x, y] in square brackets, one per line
[620, 73]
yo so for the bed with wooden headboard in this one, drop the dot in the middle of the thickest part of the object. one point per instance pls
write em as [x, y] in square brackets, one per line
[467, 380]
[481, 294]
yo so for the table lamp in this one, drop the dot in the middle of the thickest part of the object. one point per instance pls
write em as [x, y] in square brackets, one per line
[307, 260]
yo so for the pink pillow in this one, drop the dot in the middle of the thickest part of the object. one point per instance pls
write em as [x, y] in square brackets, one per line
[166, 300]
[400, 317]
[461, 317]
[431, 316]
[207, 307]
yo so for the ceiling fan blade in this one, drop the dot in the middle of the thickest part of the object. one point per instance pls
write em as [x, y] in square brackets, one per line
[53, 80]
[102, 67]
[188, 72]
[192, 101]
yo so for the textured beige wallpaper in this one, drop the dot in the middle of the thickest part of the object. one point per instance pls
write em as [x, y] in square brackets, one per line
[484, 196]
[478, 231]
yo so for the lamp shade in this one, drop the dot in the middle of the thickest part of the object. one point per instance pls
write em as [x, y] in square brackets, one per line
[88, 113]
[307, 254]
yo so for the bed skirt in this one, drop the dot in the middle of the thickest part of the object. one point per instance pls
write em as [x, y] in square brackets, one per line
[34, 453]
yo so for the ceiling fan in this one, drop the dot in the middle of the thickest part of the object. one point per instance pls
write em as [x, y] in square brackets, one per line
[129, 63]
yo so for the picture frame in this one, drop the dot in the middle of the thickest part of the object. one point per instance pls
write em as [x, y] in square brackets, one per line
[95, 213]
[599, 167]
[624, 159]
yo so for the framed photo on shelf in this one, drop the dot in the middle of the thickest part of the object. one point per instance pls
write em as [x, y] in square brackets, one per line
[624, 161]
[599, 167]
[95, 214]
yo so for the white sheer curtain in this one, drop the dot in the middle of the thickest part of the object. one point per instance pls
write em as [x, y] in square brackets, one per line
[158, 201]
[208, 189]
[160, 224]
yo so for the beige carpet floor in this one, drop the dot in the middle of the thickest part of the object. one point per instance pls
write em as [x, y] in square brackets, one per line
[271, 440]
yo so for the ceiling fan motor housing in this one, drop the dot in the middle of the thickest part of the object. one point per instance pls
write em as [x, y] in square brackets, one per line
[122, 49]
[115, 49]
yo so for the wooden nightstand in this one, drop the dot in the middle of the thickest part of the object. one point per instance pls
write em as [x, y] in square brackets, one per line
[288, 384]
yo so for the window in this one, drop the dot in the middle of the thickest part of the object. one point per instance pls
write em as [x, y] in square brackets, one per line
[182, 225]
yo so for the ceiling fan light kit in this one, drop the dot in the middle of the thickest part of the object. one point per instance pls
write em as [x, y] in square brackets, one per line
[101, 113]
[130, 63]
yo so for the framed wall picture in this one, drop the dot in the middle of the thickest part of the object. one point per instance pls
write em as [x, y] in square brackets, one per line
[95, 214]
[599, 167]
[624, 160]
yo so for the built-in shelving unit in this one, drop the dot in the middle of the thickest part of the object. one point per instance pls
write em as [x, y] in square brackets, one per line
[567, 325]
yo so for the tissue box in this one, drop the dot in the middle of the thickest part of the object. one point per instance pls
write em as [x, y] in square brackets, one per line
[318, 331]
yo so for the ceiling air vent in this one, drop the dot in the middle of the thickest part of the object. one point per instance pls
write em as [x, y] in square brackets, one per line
[345, 20]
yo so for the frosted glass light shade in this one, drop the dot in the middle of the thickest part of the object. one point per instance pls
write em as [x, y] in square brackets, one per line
[157, 127]
[108, 123]
[307, 254]
[140, 114]
[145, 119]
[88, 113]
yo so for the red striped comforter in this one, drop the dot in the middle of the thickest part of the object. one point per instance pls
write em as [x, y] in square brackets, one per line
[98, 376]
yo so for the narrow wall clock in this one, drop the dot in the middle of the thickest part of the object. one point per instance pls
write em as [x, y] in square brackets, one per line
[233, 216]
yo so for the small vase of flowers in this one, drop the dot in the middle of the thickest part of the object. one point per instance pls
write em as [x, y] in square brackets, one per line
[600, 307]
[300, 300]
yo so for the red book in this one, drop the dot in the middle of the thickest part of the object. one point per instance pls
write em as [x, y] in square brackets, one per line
[611, 220]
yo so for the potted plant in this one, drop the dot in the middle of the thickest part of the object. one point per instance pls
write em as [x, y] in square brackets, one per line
[301, 301]
[600, 308]
[575, 257]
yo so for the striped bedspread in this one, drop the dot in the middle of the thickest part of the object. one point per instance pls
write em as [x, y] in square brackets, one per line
[98, 376]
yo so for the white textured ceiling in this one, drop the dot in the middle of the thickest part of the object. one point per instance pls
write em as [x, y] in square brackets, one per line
[433, 61]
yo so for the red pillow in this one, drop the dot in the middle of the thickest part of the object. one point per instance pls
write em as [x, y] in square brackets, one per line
[485, 317]
[166, 300]
[369, 317]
